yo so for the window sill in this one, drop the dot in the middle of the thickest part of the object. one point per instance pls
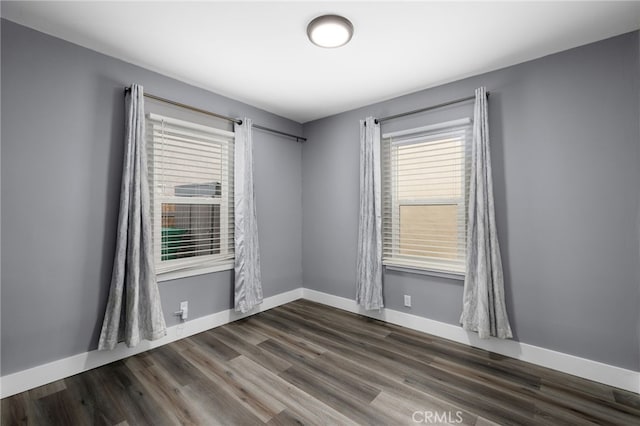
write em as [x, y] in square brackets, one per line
[190, 272]
[422, 271]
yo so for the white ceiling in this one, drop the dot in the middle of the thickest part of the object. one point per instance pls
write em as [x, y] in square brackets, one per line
[258, 52]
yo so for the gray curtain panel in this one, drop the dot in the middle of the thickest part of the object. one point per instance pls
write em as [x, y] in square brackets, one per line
[248, 281]
[483, 308]
[369, 262]
[134, 311]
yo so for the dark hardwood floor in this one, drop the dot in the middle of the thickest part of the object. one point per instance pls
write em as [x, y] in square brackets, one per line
[305, 363]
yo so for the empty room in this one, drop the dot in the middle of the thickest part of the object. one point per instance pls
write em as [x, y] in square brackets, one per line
[320, 213]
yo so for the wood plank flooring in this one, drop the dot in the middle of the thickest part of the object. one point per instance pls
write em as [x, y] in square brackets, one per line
[305, 363]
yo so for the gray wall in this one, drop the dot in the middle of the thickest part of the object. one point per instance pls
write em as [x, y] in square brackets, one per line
[566, 157]
[62, 136]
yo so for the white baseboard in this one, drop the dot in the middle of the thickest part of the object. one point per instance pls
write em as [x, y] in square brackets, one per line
[41, 375]
[581, 367]
[610, 375]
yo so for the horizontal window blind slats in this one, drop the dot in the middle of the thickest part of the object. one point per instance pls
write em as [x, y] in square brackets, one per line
[178, 144]
[452, 255]
[435, 264]
[441, 137]
[189, 157]
[426, 260]
[165, 130]
[417, 175]
[191, 186]
[431, 185]
[177, 123]
[209, 246]
[427, 245]
[416, 262]
[188, 179]
[450, 251]
[426, 161]
[200, 261]
[425, 179]
[197, 161]
[170, 154]
[191, 251]
[418, 229]
[444, 150]
[185, 184]
[201, 247]
[194, 237]
[199, 143]
[427, 142]
[194, 231]
[420, 262]
[432, 255]
[433, 200]
[419, 235]
[186, 200]
[436, 128]
[190, 183]
[199, 164]
[425, 239]
[438, 163]
[439, 149]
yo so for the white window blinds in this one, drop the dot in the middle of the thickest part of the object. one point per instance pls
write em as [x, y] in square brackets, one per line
[425, 181]
[191, 184]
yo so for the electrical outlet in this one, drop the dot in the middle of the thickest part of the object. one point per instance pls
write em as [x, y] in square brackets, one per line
[184, 309]
[183, 313]
[407, 300]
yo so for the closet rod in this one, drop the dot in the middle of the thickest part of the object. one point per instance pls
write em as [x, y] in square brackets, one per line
[416, 111]
[213, 114]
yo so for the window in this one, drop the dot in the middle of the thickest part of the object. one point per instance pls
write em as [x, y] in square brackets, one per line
[191, 185]
[424, 187]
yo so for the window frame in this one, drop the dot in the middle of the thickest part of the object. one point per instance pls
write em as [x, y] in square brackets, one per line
[407, 263]
[181, 268]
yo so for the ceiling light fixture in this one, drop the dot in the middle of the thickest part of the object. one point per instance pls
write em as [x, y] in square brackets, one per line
[330, 31]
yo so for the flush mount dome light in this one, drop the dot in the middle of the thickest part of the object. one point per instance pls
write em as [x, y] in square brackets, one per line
[330, 31]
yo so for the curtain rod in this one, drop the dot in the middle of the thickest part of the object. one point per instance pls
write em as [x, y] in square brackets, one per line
[296, 137]
[416, 111]
[213, 114]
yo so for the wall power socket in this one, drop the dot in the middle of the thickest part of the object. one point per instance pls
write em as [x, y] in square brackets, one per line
[407, 300]
[183, 313]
